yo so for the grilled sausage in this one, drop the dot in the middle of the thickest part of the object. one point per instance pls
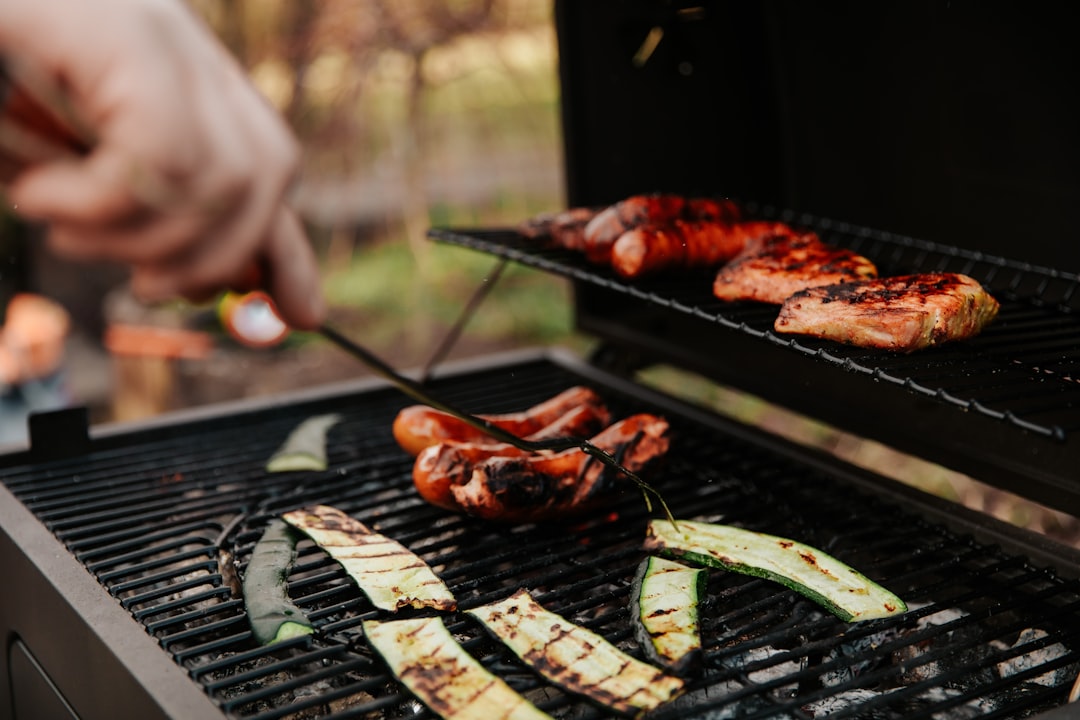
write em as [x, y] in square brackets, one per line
[685, 244]
[640, 210]
[418, 426]
[564, 229]
[449, 462]
[534, 487]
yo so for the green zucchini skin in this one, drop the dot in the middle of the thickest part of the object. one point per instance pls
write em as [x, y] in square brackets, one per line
[305, 447]
[272, 615]
[840, 589]
[664, 603]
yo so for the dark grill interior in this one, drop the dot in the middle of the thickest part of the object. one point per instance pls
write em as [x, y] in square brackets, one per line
[149, 512]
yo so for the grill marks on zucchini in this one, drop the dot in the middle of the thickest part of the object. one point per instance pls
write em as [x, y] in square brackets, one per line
[842, 590]
[664, 610]
[574, 658]
[390, 575]
[427, 659]
[273, 616]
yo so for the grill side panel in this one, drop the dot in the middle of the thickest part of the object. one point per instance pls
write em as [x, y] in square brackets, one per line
[102, 663]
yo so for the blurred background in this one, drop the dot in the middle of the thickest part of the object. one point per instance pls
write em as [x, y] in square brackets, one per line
[412, 114]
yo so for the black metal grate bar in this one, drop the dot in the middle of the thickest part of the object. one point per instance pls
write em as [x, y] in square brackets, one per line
[201, 488]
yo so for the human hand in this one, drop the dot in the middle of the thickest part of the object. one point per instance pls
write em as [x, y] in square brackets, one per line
[188, 175]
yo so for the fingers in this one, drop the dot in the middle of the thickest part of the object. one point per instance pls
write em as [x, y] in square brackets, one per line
[185, 251]
[186, 183]
[294, 274]
[291, 272]
[95, 191]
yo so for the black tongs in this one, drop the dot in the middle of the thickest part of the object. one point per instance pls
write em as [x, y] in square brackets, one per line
[417, 391]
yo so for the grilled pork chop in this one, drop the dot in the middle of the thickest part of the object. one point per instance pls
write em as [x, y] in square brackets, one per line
[903, 313]
[773, 268]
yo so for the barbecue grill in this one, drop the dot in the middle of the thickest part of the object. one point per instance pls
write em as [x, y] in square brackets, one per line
[123, 544]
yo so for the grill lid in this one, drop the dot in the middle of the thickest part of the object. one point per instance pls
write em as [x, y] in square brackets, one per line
[147, 512]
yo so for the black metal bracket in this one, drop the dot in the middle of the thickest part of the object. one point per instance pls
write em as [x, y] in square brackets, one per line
[58, 434]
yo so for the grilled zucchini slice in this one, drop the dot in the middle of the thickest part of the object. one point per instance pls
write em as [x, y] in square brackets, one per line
[389, 574]
[842, 590]
[574, 658]
[427, 659]
[664, 607]
[305, 447]
[272, 615]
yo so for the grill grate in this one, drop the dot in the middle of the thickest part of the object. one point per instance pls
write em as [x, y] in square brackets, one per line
[1023, 370]
[988, 632]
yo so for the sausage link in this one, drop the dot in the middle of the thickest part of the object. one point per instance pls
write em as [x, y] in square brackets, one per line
[418, 426]
[440, 466]
[564, 229]
[685, 244]
[537, 487]
[649, 210]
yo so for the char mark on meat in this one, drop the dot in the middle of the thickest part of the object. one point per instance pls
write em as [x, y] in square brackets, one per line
[902, 314]
[773, 268]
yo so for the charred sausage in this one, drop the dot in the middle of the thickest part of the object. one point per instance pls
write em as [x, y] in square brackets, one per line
[640, 210]
[685, 244]
[418, 426]
[521, 487]
[564, 229]
[449, 462]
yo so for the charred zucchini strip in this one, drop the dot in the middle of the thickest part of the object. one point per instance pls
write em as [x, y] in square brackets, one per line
[390, 575]
[427, 659]
[664, 606]
[575, 658]
[842, 590]
[272, 615]
[305, 448]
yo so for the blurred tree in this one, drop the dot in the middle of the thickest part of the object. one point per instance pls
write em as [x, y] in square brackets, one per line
[366, 85]
[333, 66]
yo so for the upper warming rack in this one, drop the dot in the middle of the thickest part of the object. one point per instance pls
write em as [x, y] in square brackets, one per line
[1018, 381]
